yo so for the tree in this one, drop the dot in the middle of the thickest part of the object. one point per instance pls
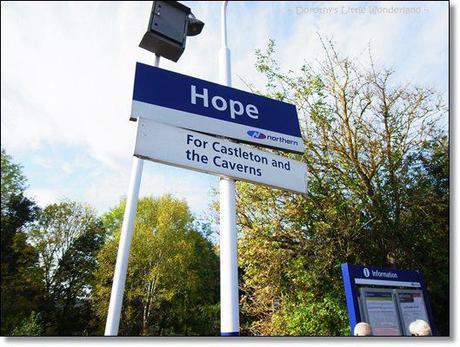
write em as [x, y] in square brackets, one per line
[31, 326]
[426, 225]
[172, 280]
[365, 139]
[67, 237]
[20, 273]
[12, 178]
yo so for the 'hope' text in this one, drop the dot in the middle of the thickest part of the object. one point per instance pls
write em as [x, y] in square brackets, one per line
[220, 104]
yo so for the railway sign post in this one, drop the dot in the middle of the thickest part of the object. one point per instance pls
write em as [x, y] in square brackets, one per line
[192, 123]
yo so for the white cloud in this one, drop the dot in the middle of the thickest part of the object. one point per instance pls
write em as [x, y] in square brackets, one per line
[42, 161]
[67, 74]
[194, 187]
[104, 188]
[44, 196]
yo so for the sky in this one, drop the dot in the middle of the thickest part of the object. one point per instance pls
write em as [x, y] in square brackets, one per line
[67, 73]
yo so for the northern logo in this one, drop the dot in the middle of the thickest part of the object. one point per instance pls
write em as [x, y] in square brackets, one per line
[256, 134]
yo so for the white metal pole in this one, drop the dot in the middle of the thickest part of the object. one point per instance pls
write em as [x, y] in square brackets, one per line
[229, 300]
[121, 266]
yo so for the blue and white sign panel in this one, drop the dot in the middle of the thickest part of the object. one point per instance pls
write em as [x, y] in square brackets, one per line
[403, 283]
[195, 104]
[192, 150]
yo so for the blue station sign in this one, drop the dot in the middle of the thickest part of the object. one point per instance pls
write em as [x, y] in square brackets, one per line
[195, 104]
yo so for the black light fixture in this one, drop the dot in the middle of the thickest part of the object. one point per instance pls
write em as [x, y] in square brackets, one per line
[169, 25]
[194, 26]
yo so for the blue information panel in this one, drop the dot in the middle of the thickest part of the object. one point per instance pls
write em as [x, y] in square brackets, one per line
[384, 287]
[195, 104]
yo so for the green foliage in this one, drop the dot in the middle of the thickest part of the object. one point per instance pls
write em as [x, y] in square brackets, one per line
[426, 226]
[21, 286]
[12, 178]
[311, 315]
[31, 326]
[172, 280]
[67, 237]
[50, 256]
[377, 195]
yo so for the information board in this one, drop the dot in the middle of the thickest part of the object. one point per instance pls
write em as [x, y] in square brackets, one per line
[380, 309]
[411, 307]
[388, 299]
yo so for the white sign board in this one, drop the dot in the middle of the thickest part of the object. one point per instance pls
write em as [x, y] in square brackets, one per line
[381, 313]
[411, 306]
[188, 149]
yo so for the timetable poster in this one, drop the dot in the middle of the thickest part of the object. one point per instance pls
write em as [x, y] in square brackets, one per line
[381, 312]
[412, 307]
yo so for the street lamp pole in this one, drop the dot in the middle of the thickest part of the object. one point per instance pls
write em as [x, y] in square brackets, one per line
[229, 300]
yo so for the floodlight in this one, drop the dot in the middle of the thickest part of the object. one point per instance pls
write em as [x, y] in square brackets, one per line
[169, 25]
[194, 26]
